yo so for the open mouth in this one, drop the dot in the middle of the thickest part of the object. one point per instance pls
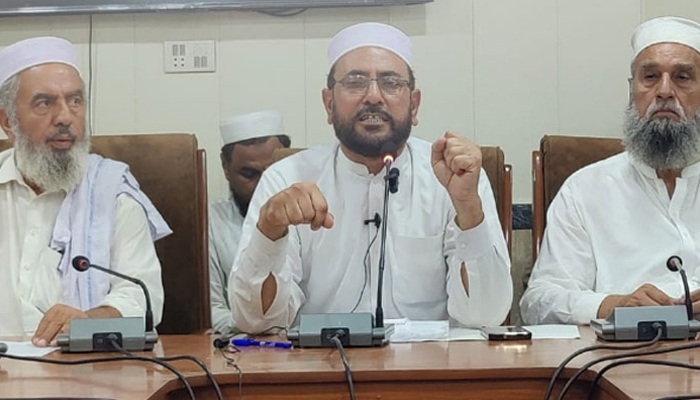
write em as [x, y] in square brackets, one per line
[372, 118]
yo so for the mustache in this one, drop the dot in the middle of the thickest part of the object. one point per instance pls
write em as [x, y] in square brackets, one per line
[666, 105]
[62, 132]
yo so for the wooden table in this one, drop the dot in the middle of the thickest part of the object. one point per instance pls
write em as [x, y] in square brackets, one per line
[436, 370]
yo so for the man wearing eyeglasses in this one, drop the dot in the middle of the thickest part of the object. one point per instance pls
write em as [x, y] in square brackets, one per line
[310, 241]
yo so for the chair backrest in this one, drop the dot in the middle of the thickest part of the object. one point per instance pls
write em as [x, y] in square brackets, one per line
[172, 172]
[557, 159]
[500, 177]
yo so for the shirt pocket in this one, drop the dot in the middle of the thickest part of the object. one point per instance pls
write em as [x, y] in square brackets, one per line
[420, 273]
[47, 283]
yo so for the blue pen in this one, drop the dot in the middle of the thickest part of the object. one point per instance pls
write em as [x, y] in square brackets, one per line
[260, 343]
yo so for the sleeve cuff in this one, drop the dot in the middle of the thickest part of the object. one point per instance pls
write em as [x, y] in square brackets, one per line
[265, 255]
[586, 307]
[473, 243]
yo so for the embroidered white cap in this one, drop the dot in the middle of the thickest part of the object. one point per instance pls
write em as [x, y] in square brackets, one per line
[370, 34]
[35, 51]
[666, 30]
[254, 125]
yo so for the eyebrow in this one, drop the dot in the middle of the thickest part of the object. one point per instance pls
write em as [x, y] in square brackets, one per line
[78, 92]
[689, 68]
[380, 74]
[52, 97]
[44, 96]
[682, 67]
[389, 73]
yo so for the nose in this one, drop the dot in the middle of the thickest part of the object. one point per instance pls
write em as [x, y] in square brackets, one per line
[374, 93]
[666, 90]
[64, 116]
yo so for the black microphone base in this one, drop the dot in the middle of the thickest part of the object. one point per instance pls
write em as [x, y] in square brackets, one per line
[353, 330]
[637, 324]
[96, 334]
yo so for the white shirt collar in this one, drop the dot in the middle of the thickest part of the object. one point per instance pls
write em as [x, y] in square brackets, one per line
[402, 161]
[9, 171]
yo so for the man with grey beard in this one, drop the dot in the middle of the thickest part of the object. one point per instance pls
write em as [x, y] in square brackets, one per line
[309, 241]
[58, 202]
[613, 224]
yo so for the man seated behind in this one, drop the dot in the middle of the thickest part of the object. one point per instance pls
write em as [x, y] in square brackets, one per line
[613, 224]
[58, 202]
[249, 143]
[308, 243]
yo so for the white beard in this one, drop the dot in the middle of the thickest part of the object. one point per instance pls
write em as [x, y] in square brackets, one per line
[50, 169]
[662, 143]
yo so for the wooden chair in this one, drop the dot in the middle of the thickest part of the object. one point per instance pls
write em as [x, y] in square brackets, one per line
[499, 174]
[172, 172]
[559, 157]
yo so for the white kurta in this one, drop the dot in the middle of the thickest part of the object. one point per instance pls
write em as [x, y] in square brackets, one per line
[225, 224]
[610, 229]
[31, 282]
[322, 271]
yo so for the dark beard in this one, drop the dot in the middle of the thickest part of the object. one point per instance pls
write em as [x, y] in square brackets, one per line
[242, 205]
[371, 146]
[662, 143]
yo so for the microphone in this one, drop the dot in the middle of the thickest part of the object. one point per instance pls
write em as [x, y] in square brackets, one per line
[82, 264]
[675, 264]
[391, 185]
[642, 323]
[376, 220]
[389, 152]
[393, 179]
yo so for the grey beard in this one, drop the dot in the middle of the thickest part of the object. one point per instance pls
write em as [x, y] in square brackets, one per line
[662, 143]
[51, 170]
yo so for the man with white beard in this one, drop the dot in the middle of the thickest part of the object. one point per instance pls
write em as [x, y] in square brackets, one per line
[613, 224]
[58, 202]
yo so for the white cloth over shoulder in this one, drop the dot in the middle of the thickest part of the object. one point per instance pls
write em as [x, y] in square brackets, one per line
[323, 271]
[85, 223]
[610, 229]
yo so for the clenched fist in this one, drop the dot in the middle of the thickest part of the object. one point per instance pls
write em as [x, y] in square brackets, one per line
[456, 163]
[301, 203]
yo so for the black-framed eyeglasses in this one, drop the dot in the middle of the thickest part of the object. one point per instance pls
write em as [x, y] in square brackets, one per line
[389, 85]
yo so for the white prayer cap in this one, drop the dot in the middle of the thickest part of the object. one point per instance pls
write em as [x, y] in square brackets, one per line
[370, 34]
[35, 51]
[254, 125]
[666, 30]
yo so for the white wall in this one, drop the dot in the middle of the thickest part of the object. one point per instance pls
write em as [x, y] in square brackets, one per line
[502, 72]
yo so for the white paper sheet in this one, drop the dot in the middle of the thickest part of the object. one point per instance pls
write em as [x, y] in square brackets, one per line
[419, 331]
[27, 349]
[554, 331]
[422, 331]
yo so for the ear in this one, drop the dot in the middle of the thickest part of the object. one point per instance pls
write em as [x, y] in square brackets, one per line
[415, 103]
[327, 97]
[5, 125]
[224, 165]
